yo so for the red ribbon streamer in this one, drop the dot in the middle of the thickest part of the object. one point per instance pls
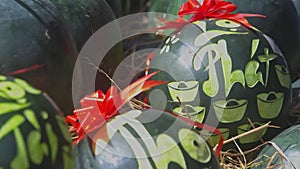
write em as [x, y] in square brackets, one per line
[148, 62]
[27, 69]
[177, 24]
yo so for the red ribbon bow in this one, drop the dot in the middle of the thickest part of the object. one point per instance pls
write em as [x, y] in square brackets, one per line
[98, 107]
[209, 9]
[214, 9]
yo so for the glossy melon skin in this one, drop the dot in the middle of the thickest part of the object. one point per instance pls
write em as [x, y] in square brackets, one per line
[281, 23]
[34, 33]
[297, 5]
[126, 7]
[32, 131]
[116, 7]
[149, 133]
[84, 17]
[223, 73]
[288, 142]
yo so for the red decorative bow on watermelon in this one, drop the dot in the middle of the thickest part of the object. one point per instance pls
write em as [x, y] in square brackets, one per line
[98, 107]
[209, 9]
[214, 9]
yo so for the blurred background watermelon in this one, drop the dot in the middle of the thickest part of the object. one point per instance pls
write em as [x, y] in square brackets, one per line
[33, 133]
[37, 46]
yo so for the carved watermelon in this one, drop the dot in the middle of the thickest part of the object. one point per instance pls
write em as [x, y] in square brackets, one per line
[281, 18]
[36, 45]
[222, 73]
[288, 142]
[148, 139]
[32, 131]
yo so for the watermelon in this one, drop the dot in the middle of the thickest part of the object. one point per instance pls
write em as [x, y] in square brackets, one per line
[145, 139]
[288, 143]
[116, 7]
[84, 17]
[297, 5]
[33, 133]
[36, 46]
[127, 7]
[133, 6]
[221, 73]
[281, 18]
